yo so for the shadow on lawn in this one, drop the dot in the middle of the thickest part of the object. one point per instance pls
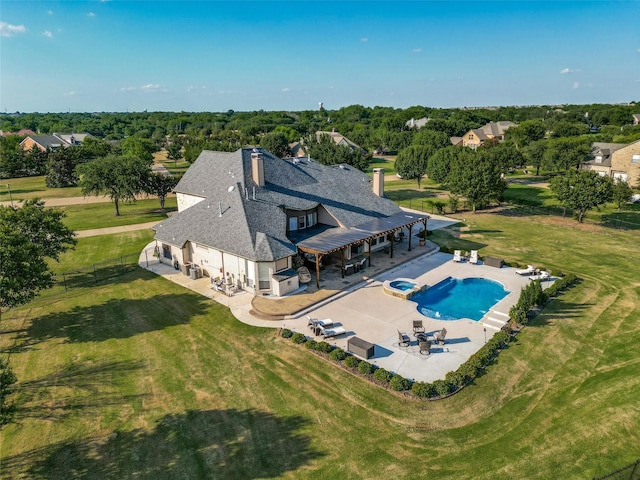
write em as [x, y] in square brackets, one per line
[79, 389]
[242, 444]
[116, 318]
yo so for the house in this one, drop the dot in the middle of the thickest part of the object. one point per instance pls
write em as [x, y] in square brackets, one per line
[20, 133]
[600, 158]
[417, 124]
[339, 139]
[625, 163]
[636, 118]
[477, 136]
[245, 216]
[53, 142]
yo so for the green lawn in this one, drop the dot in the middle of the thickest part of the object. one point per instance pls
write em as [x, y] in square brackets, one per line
[101, 215]
[29, 187]
[144, 379]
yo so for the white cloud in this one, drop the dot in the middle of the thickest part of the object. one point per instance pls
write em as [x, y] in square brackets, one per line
[71, 93]
[150, 87]
[127, 89]
[8, 30]
[91, 14]
[416, 50]
[192, 88]
[47, 34]
[286, 89]
[575, 85]
[564, 71]
[364, 39]
[638, 50]
[50, 12]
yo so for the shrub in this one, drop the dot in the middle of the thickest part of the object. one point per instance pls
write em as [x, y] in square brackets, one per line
[298, 338]
[423, 390]
[365, 368]
[351, 361]
[324, 347]
[311, 344]
[382, 375]
[442, 387]
[458, 379]
[338, 355]
[399, 383]
[286, 333]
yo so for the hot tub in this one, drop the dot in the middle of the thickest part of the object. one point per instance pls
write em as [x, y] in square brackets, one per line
[404, 288]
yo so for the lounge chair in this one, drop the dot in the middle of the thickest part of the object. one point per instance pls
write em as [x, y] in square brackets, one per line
[331, 332]
[403, 339]
[473, 257]
[438, 337]
[540, 276]
[457, 256]
[314, 323]
[418, 327]
[530, 270]
[425, 347]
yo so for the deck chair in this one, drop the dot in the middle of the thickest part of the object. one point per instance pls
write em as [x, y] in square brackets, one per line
[438, 337]
[418, 327]
[473, 257]
[425, 347]
[331, 332]
[457, 256]
[403, 339]
[314, 323]
[530, 270]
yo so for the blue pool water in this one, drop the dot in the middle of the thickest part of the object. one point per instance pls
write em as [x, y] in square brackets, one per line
[454, 298]
[402, 285]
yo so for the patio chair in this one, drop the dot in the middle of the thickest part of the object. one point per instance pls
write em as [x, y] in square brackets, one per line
[314, 323]
[425, 347]
[457, 256]
[438, 337]
[530, 270]
[540, 276]
[403, 339]
[473, 257]
[331, 332]
[418, 327]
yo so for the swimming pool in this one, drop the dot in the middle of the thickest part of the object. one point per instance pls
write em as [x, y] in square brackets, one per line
[454, 298]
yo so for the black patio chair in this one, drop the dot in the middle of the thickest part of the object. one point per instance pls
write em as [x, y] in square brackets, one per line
[418, 327]
[403, 339]
[425, 347]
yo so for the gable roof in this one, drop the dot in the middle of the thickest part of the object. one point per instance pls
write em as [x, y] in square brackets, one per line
[57, 140]
[604, 150]
[230, 219]
[338, 139]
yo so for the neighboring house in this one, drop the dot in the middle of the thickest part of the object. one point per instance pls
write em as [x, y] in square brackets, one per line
[243, 217]
[421, 122]
[53, 142]
[477, 136]
[636, 118]
[455, 140]
[600, 158]
[20, 133]
[339, 140]
[625, 163]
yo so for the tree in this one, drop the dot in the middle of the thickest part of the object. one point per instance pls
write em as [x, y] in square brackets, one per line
[138, 147]
[440, 162]
[326, 152]
[120, 178]
[565, 153]
[582, 190]
[411, 163]
[7, 379]
[160, 185]
[534, 154]
[526, 132]
[622, 193]
[174, 152]
[277, 143]
[478, 177]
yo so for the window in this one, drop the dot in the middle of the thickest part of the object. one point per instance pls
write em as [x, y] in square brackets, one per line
[470, 136]
[635, 158]
[374, 242]
[311, 219]
[301, 222]
[598, 158]
[282, 264]
[293, 224]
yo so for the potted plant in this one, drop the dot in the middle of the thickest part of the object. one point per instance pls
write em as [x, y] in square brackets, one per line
[422, 237]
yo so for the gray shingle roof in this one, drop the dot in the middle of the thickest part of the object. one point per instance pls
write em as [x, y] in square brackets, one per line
[256, 228]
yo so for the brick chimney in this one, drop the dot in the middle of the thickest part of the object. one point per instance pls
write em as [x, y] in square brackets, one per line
[378, 181]
[257, 168]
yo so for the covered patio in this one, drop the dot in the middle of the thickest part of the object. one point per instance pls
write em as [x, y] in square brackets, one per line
[321, 243]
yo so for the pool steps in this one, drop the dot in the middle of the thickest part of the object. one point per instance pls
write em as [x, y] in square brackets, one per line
[491, 321]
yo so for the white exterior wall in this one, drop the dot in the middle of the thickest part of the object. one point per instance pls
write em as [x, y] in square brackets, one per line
[285, 286]
[185, 201]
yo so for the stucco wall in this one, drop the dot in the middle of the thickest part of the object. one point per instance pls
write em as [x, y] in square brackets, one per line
[621, 161]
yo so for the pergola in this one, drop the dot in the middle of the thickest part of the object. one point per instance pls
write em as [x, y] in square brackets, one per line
[339, 239]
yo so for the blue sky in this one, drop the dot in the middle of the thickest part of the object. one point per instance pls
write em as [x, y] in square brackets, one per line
[121, 55]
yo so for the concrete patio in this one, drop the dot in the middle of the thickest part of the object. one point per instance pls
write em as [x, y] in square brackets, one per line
[362, 307]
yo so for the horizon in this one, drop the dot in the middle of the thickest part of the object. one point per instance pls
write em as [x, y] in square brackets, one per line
[120, 56]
